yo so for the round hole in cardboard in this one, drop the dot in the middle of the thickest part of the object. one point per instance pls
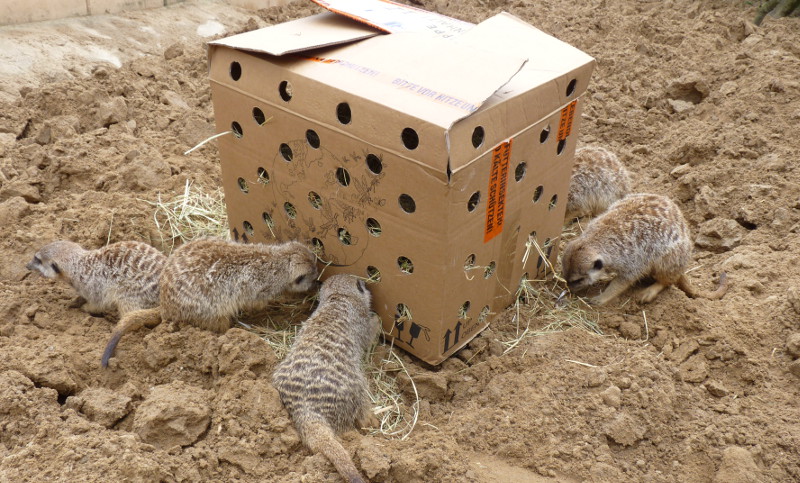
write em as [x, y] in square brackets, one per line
[235, 70]
[248, 228]
[484, 314]
[405, 264]
[544, 134]
[519, 171]
[537, 193]
[314, 199]
[469, 263]
[403, 313]
[317, 247]
[343, 176]
[344, 236]
[286, 152]
[473, 201]
[410, 138]
[477, 136]
[343, 113]
[290, 210]
[571, 87]
[267, 219]
[313, 138]
[373, 274]
[489, 269]
[561, 145]
[407, 203]
[259, 117]
[532, 236]
[373, 227]
[263, 175]
[237, 129]
[553, 202]
[374, 163]
[462, 311]
[285, 90]
[243, 185]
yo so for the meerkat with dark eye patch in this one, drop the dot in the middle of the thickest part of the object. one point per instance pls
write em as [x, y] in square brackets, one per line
[598, 180]
[642, 235]
[122, 276]
[321, 381]
[207, 282]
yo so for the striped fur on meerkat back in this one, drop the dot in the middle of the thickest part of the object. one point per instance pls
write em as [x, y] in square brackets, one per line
[598, 180]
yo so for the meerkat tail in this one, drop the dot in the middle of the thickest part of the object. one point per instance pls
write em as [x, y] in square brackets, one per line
[320, 438]
[130, 322]
[688, 289]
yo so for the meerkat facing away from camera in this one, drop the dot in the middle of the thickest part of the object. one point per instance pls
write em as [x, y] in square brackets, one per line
[321, 381]
[122, 276]
[208, 281]
[598, 180]
[642, 235]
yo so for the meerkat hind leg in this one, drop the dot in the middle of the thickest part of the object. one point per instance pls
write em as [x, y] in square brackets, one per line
[647, 294]
[612, 291]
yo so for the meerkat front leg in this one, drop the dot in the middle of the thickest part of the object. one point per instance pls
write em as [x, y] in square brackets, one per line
[612, 291]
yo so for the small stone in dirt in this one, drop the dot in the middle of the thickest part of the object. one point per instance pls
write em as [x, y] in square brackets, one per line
[612, 396]
[22, 189]
[625, 430]
[793, 345]
[685, 350]
[716, 389]
[694, 370]
[679, 106]
[12, 210]
[680, 170]
[375, 463]
[794, 367]
[720, 235]
[174, 99]
[596, 377]
[174, 413]
[430, 386]
[104, 406]
[737, 466]
[174, 50]
[793, 296]
[630, 330]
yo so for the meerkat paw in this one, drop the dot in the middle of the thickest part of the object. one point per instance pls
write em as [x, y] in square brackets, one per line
[77, 302]
[649, 293]
[369, 420]
[93, 310]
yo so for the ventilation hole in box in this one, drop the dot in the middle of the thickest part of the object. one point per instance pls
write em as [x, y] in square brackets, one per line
[571, 87]
[477, 136]
[268, 220]
[263, 176]
[243, 185]
[343, 176]
[259, 117]
[248, 228]
[484, 314]
[286, 152]
[290, 210]
[374, 163]
[373, 227]
[237, 129]
[489, 269]
[313, 138]
[469, 263]
[317, 247]
[314, 199]
[537, 193]
[285, 90]
[532, 236]
[544, 135]
[519, 172]
[235, 70]
[373, 274]
[405, 264]
[561, 145]
[553, 202]
[403, 313]
[410, 138]
[344, 236]
[343, 113]
[462, 311]
[407, 203]
[473, 201]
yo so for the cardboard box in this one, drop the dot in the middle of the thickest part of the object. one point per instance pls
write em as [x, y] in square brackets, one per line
[408, 146]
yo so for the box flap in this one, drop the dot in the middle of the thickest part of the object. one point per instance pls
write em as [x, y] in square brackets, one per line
[394, 17]
[321, 30]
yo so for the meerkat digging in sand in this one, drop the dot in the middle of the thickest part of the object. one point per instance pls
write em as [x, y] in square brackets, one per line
[321, 382]
[206, 282]
[642, 235]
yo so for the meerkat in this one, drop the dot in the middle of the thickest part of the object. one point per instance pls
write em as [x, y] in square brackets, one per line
[208, 281]
[321, 381]
[642, 235]
[598, 180]
[122, 276]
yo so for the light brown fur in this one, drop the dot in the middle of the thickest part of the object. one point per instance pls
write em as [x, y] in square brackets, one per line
[206, 282]
[642, 235]
[598, 180]
[321, 381]
[121, 276]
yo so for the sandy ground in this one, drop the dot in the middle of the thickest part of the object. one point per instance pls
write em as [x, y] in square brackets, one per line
[702, 106]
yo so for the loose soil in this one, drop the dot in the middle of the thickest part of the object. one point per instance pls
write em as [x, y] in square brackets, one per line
[701, 106]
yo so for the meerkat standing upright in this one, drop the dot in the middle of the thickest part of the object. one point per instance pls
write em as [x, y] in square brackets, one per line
[598, 180]
[639, 236]
[321, 381]
[122, 276]
[207, 281]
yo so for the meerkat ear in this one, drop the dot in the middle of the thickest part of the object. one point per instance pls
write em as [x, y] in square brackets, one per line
[598, 264]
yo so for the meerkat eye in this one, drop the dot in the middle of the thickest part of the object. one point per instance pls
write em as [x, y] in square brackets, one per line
[300, 279]
[55, 268]
[598, 264]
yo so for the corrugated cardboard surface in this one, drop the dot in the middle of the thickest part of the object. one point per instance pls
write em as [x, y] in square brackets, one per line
[309, 197]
